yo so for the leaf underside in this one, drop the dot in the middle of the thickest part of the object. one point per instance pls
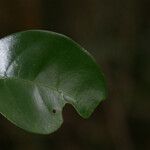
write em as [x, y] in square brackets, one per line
[41, 71]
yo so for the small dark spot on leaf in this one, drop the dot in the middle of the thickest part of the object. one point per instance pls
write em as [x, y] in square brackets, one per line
[54, 111]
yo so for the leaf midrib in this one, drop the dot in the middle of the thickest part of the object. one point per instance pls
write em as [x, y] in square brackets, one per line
[43, 85]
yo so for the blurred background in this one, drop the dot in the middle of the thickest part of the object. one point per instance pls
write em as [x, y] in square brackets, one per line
[117, 34]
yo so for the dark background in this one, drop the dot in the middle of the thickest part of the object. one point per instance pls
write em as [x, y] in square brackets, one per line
[117, 34]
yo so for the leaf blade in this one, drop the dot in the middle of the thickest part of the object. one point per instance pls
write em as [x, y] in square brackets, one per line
[50, 63]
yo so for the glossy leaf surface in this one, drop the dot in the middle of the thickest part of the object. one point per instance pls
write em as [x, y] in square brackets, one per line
[40, 72]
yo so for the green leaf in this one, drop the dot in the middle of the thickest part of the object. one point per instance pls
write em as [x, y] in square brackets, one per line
[40, 72]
